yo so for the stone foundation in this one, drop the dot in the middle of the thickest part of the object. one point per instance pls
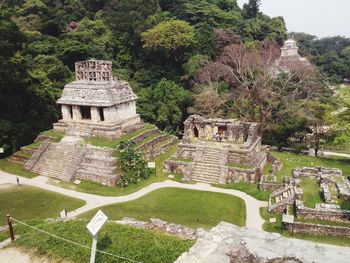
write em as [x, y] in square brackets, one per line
[316, 229]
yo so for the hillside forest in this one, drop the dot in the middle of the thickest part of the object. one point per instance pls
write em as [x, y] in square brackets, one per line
[181, 57]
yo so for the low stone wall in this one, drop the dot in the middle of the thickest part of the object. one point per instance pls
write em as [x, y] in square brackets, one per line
[154, 153]
[299, 227]
[185, 168]
[331, 215]
[187, 151]
[100, 179]
[237, 175]
[266, 186]
[150, 144]
[145, 135]
[36, 155]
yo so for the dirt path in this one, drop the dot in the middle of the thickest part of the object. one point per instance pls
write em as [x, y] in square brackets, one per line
[15, 255]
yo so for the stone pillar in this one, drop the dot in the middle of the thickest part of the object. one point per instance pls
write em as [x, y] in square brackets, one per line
[95, 115]
[76, 113]
[65, 112]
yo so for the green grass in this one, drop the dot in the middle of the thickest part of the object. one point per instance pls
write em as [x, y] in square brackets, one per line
[250, 189]
[137, 244]
[103, 142]
[15, 168]
[344, 93]
[23, 154]
[187, 207]
[291, 161]
[267, 169]
[239, 165]
[276, 228]
[32, 203]
[34, 145]
[55, 135]
[312, 192]
[344, 204]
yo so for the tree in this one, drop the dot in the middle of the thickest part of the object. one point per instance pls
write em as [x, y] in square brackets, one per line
[251, 9]
[320, 121]
[256, 93]
[164, 104]
[169, 35]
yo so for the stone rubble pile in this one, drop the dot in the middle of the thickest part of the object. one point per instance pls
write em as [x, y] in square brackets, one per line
[158, 224]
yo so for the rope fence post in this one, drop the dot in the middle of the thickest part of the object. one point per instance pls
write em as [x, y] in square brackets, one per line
[9, 223]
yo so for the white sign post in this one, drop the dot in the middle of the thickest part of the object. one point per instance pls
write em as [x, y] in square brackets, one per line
[1, 150]
[94, 226]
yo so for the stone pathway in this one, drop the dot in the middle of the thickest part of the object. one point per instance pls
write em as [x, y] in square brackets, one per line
[254, 220]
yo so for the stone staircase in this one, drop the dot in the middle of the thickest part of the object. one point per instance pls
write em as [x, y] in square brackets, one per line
[207, 169]
[282, 197]
[59, 160]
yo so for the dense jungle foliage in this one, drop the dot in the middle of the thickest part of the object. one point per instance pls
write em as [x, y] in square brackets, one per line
[159, 46]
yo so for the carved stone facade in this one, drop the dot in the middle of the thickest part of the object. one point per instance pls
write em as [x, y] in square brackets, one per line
[96, 103]
[219, 151]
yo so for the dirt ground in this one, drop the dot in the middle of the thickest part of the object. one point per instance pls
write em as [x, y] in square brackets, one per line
[15, 255]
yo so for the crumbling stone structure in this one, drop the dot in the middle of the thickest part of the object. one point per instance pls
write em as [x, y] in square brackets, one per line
[290, 59]
[219, 151]
[97, 103]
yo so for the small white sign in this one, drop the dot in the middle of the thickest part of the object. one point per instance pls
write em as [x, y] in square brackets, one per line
[63, 214]
[1, 150]
[151, 165]
[287, 218]
[97, 222]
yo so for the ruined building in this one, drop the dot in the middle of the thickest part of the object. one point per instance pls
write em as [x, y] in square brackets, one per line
[219, 151]
[97, 103]
[290, 59]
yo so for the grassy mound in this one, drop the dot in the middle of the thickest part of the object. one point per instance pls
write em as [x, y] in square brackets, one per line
[187, 207]
[136, 244]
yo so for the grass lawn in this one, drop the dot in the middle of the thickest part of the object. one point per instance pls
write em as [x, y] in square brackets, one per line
[187, 207]
[33, 203]
[312, 192]
[137, 244]
[250, 189]
[103, 142]
[291, 161]
[276, 228]
[239, 165]
[55, 135]
[15, 168]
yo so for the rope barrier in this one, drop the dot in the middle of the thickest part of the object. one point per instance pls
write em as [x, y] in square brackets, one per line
[73, 242]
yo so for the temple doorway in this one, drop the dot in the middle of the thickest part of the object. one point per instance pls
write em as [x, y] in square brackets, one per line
[85, 112]
[195, 132]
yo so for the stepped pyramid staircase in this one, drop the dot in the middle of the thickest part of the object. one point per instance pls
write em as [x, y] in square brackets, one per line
[207, 169]
[58, 160]
[282, 197]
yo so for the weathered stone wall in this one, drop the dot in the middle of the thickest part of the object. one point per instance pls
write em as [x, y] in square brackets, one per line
[184, 168]
[145, 135]
[269, 186]
[237, 175]
[316, 229]
[96, 178]
[229, 130]
[331, 215]
[186, 151]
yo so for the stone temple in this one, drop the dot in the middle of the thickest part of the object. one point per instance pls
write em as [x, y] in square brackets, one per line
[289, 59]
[219, 151]
[96, 103]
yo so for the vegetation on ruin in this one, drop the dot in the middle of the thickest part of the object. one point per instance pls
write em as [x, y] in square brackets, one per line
[137, 244]
[187, 207]
[291, 161]
[312, 192]
[276, 228]
[33, 203]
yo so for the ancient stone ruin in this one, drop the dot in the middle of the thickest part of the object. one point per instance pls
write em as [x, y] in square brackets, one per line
[95, 104]
[219, 151]
[290, 60]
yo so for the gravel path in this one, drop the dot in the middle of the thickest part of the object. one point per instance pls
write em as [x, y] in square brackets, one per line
[254, 220]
